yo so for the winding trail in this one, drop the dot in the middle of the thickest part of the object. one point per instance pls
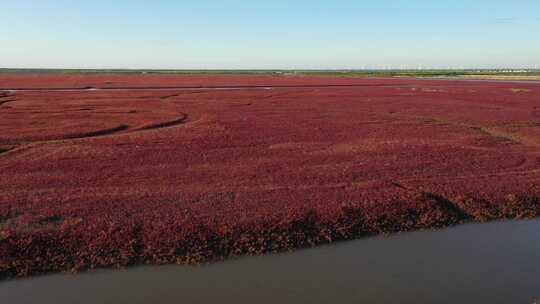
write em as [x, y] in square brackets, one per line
[121, 128]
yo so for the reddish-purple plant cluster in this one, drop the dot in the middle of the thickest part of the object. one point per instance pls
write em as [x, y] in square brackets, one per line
[111, 178]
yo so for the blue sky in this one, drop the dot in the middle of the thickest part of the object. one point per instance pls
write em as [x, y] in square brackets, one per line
[269, 34]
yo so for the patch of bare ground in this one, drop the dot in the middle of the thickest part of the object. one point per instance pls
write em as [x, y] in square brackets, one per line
[500, 77]
[518, 90]
[432, 90]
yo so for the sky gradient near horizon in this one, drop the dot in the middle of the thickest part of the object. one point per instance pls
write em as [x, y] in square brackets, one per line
[278, 34]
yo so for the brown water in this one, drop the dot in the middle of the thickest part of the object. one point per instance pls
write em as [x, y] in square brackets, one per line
[487, 263]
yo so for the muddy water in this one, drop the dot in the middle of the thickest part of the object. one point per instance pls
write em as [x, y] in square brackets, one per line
[488, 263]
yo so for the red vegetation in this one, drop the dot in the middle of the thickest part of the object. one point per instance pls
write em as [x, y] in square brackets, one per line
[120, 177]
